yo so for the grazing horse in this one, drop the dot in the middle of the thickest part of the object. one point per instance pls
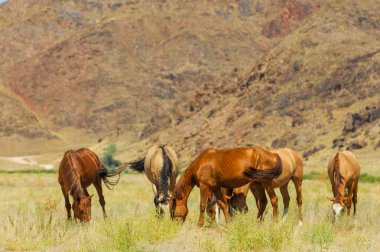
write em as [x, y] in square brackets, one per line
[78, 170]
[161, 167]
[217, 168]
[344, 171]
[292, 169]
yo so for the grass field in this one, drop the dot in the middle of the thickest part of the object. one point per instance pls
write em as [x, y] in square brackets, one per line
[32, 217]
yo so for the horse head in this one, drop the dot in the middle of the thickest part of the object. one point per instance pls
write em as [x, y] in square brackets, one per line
[338, 206]
[178, 209]
[237, 202]
[82, 208]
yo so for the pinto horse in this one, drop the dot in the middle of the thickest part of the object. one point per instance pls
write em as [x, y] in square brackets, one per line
[78, 170]
[292, 169]
[161, 168]
[344, 171]
[217, 168]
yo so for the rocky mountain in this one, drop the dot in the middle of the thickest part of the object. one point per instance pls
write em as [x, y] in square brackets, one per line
[297, 73]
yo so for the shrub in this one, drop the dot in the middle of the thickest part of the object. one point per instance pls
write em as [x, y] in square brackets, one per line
[107, 159]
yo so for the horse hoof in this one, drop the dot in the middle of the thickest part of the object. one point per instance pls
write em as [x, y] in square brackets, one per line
[300, 223]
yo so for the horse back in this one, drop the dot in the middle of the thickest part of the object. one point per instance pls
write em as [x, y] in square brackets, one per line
[89, 165]
[349, 166]
[292, 165]
[346, 165]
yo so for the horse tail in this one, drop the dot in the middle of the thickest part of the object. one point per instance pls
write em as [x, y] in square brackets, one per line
[265, 175]
[165, 174]
[109, 176]
[137, 165]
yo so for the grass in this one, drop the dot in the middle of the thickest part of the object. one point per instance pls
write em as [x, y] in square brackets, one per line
[28, 171]
[33, 218]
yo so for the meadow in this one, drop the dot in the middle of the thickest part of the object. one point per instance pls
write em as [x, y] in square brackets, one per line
[33, 217]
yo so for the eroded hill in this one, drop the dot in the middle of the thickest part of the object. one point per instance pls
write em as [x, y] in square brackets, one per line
[194, 74]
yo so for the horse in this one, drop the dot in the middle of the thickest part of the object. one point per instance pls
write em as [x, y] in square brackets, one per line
[292, 169]
[344, 171]
[217, 168]
[160, 165]
[78, 170]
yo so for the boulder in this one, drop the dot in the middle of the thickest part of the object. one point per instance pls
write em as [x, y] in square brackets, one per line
[356, 144]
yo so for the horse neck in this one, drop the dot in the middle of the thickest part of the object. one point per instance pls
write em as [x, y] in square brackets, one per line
[339, 186]
[73, 176]
[185, 185]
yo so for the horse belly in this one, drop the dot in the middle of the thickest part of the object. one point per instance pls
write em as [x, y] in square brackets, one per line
[233, 182]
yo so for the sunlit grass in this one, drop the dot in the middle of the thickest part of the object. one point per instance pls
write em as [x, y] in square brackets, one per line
[33, 217]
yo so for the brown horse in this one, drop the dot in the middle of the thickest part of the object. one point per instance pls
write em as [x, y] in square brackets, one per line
[344, 171]
[216, 168]
[78, 170]
[292, 169]
[161, 168]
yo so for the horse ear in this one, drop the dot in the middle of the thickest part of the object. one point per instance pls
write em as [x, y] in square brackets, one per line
[330, 198]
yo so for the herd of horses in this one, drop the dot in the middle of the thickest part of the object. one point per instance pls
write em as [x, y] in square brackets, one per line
[224, 176]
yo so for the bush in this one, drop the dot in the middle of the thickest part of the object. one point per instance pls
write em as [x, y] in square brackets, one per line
[107, 159]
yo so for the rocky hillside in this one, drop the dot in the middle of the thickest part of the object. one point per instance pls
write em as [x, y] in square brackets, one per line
[297, 73]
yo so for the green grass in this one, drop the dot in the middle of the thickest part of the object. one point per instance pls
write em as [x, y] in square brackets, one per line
[29, 171]
[364, 178]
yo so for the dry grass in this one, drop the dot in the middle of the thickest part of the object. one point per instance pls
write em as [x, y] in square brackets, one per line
[33, 218]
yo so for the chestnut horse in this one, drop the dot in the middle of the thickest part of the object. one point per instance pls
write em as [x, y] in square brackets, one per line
[217, 168]
[161, 168]
[78, 170]
[292, 169]
[344, 171]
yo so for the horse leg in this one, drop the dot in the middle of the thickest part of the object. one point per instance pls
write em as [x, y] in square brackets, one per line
[203, 203]
[159, 210]
[285, 199]
[349, 198]
[355, 196]
[99, 190]
[67, 202]
[298, 185]
[258, 191]
[222, 202]
[273, 198]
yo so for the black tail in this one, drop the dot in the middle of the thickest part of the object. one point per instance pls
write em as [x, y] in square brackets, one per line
[109, 176]
[137, 165]
[165, 174]
[266, 175]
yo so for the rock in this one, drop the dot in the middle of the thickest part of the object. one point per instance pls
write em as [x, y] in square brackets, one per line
[199, 144]
[377, 146]
[278, 143]
[257, 124]
[338, 142]
[373, 113]
[306, 154]
[356, 144]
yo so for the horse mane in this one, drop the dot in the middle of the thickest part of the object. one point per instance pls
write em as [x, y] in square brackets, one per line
[183, 183]
[165, 172]
[336, 174]
[265, 175]
[72, 174]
